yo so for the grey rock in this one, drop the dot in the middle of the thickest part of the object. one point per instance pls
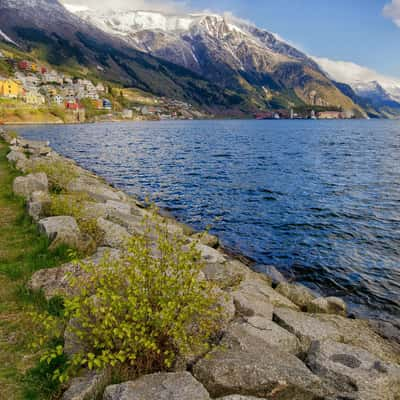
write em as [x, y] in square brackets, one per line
[164, 386]
[321, 327]
[328, 305]
[25, 185]
[114, 235]
[123, 208]
[261, 284]
[57, 281]
[94, 188]
[87, 387]
[387, 330]
[298, 294]
[249, 303]
[272, 273]
[270, 333]
[353, 372]
[210, 255]
[259, 371]
[14, 156]
[61, 230]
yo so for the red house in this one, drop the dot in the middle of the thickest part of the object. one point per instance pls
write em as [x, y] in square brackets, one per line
[43, 70]
[69, 105]
[23, 65]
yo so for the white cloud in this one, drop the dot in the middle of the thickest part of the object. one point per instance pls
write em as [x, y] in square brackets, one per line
[392, 11]
[167, 6]
[348, 72]
[351, 73]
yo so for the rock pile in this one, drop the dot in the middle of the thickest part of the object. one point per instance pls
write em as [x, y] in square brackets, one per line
[283, 343]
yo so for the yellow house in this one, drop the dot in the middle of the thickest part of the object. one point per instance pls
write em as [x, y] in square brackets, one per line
[34, 98]
[10, 88]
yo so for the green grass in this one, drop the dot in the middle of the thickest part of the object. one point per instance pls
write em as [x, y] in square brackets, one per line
[22, 252]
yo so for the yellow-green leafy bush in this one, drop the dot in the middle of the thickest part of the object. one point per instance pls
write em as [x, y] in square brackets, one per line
[139, 312]
[59, 173]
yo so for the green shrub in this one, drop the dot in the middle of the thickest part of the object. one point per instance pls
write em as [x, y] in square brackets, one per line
[59, 173]
[139, 312]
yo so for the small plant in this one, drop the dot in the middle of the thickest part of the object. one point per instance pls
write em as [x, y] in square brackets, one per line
[59, 173]
[139, 312]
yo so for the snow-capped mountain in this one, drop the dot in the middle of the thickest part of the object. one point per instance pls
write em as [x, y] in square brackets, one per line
[228, 51]
[63, 39]
[364, 81]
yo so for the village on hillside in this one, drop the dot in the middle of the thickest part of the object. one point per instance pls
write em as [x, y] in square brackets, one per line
[35, 87]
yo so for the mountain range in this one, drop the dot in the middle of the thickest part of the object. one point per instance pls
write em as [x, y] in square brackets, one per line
[214, 61]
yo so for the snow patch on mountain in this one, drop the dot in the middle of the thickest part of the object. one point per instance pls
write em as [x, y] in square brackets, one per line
[363, 80]
[7, 38]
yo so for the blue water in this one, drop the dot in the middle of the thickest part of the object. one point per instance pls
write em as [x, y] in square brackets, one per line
[319, 200]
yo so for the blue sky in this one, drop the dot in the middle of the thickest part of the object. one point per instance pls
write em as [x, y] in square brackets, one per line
[348, 30]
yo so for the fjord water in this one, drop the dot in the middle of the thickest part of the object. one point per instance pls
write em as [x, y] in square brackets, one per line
[320, 200]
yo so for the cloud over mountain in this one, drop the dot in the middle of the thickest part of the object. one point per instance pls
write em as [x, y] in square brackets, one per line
[167, 6]
[392, 11]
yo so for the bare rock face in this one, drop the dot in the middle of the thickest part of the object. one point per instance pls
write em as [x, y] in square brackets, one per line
[320, 327]
[259, 371]
[25, 185]
[114, 235]
[261, 285]
[165, 386]
[270, 333]
[249, 304]
[298, 294]
[328, 305]
[354, 373]
[209, 254]
[123, 208]
[61, 230]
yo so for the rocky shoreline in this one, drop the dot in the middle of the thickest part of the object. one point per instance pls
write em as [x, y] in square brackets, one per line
[279, 340]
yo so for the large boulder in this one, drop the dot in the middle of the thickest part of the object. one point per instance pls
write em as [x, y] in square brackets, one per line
[271, 334]
[207, 239]
[249, 304]
[354, 373]
[14, 156]
[114, 235]
[259, 371]
[164, 386]
[61, 230]
[25, 185]
[121, 207]
[327, 305]
[57, 281]
[259, 284]
[298, 294]
[320, 327]
[96, 189]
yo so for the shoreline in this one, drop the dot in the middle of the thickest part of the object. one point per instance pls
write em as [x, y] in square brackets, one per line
[264, 311]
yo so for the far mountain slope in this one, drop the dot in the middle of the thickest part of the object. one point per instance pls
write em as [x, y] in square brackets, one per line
[232, 53]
